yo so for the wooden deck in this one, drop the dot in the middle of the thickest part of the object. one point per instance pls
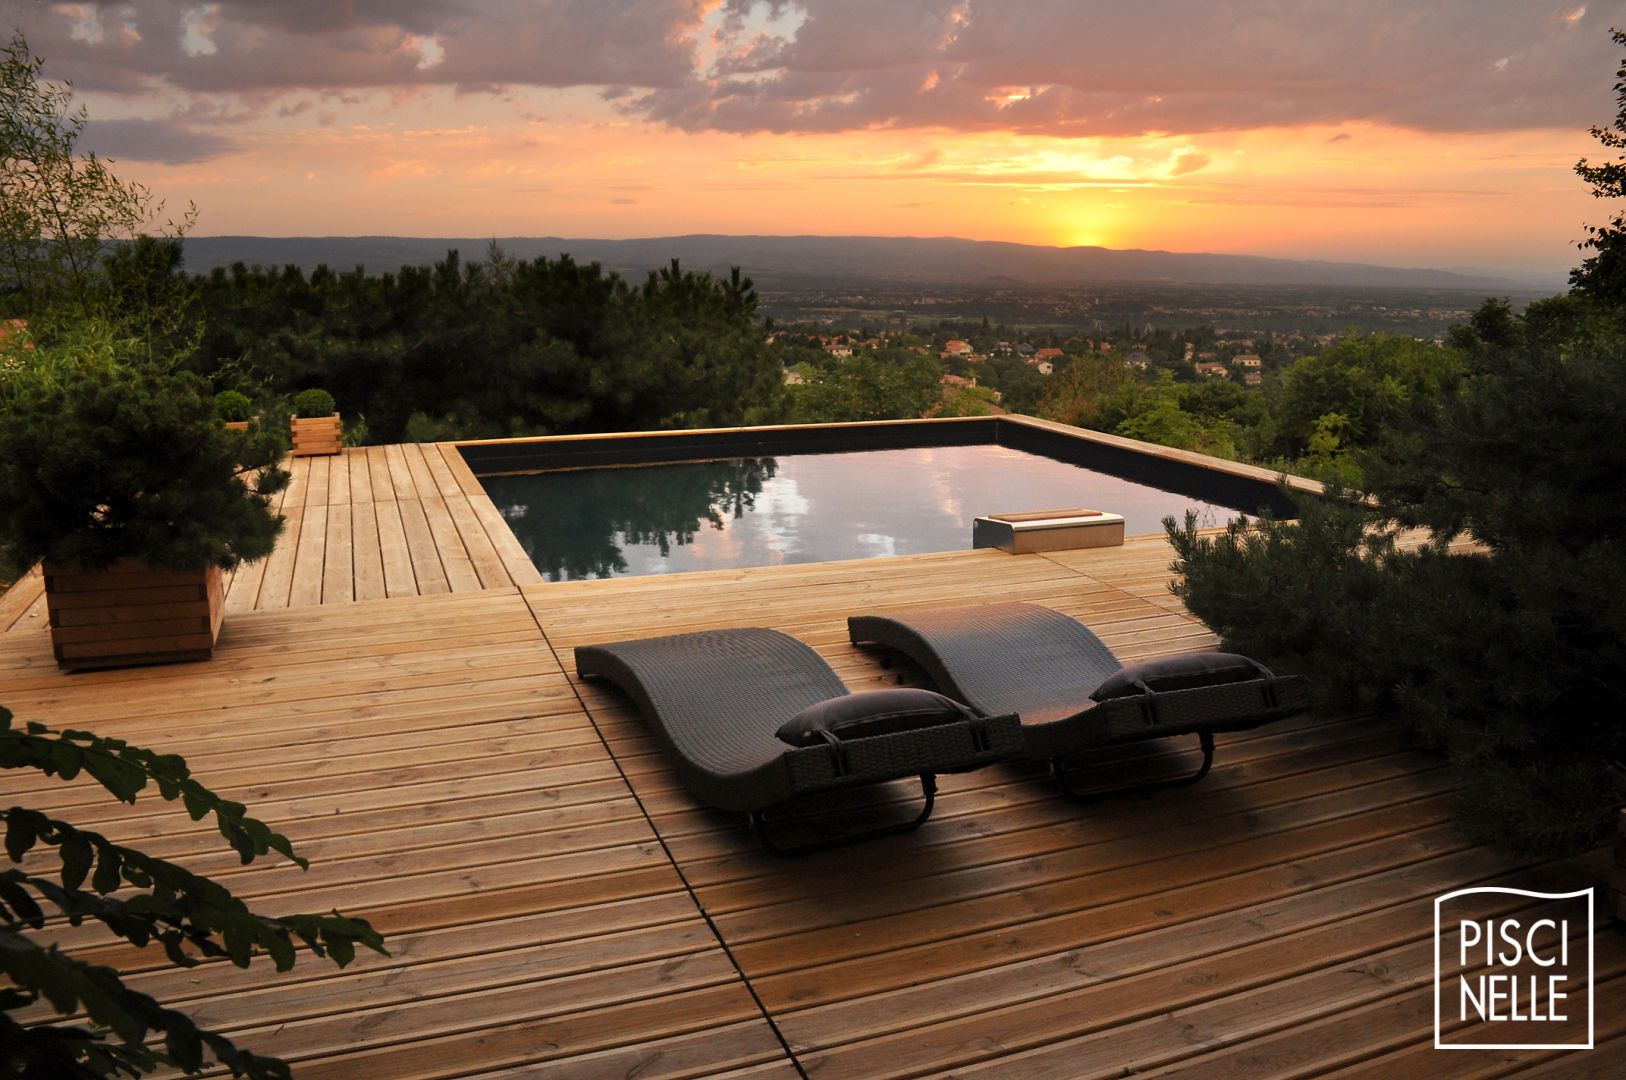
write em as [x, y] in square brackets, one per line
[557, 905]
[367, 523]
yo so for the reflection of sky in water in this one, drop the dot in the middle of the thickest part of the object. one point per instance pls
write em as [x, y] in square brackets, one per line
[810, 507]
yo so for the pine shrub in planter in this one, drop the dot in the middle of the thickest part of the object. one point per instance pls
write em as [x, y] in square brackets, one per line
[315, 427]
[135, 498]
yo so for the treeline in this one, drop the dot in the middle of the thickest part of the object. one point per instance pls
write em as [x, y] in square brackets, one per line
[506, 347]
[499, 348]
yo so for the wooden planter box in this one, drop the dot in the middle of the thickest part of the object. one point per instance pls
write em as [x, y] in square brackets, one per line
[238, 425]
[316, 436]
[131, 614]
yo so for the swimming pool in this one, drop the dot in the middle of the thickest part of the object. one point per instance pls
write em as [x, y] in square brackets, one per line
[763, 510]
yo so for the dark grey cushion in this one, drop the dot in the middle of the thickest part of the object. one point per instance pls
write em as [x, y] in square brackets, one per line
[1179, 673]
[869, 713]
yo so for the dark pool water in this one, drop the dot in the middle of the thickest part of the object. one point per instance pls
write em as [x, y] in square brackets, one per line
[797, 508]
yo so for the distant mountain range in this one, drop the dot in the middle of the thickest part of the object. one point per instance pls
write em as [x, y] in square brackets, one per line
[789, 262]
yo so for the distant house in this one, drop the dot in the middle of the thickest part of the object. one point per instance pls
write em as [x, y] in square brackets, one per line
[956, 382]
[793, 377]
[955, 347]
[1024, 349]
[1138, 359]
[1043, 367]
[1214, 370]
[1248, 360]
[1252, 378]
[841, 352]
[1052, 355]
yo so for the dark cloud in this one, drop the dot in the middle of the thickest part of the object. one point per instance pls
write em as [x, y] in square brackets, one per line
[260, 45]
[1058, 67]
[1088, 67]
[167, 142]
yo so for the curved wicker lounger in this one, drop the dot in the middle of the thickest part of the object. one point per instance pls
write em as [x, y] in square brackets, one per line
[716, 698]
[1043, 665]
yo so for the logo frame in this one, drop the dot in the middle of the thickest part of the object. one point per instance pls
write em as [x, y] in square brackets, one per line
[1591, 967]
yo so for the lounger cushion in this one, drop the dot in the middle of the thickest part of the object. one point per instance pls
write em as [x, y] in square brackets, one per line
[869, 713]
[1178, 673]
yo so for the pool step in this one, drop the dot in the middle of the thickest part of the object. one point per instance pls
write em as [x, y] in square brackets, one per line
[1048, 530]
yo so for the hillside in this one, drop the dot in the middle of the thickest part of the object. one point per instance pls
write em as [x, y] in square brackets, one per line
[804, 261]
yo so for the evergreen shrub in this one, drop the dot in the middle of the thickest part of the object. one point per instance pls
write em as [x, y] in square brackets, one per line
[102, 461]
[233, 406]
[310, 404]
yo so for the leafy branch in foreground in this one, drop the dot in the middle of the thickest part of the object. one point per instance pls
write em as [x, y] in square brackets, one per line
[157, 901]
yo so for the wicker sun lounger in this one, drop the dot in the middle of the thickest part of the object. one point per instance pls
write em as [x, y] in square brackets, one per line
[1072, 694]
[752, 718]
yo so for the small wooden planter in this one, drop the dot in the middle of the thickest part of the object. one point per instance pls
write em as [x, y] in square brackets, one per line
[238, 425]
[131, 614]
[316, 436]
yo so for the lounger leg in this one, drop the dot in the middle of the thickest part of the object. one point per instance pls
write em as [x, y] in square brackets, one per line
[760, 823]
[1064, 776]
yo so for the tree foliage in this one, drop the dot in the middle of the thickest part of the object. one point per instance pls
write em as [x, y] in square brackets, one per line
[883, 385]
[1508, 650]
[59, 208]
[143, 900]
[500, 348]
[1602, 275]
[102, 459]
[1367, 383]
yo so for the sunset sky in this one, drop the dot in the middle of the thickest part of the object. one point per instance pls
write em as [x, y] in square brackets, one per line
[1437, 133]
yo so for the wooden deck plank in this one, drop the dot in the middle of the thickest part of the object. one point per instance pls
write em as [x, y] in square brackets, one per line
[461, 575]
[277, 581]
[243, 593]
[422, 548]
[400, 576]
[338, 478]
[400, 472]
[316, 486]
[459, 469]
[299, 474]
[445, 483]
[378, 472]
[360, 475]
[490, 567]
[366, 551]
[338, 558]
[310, 558]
